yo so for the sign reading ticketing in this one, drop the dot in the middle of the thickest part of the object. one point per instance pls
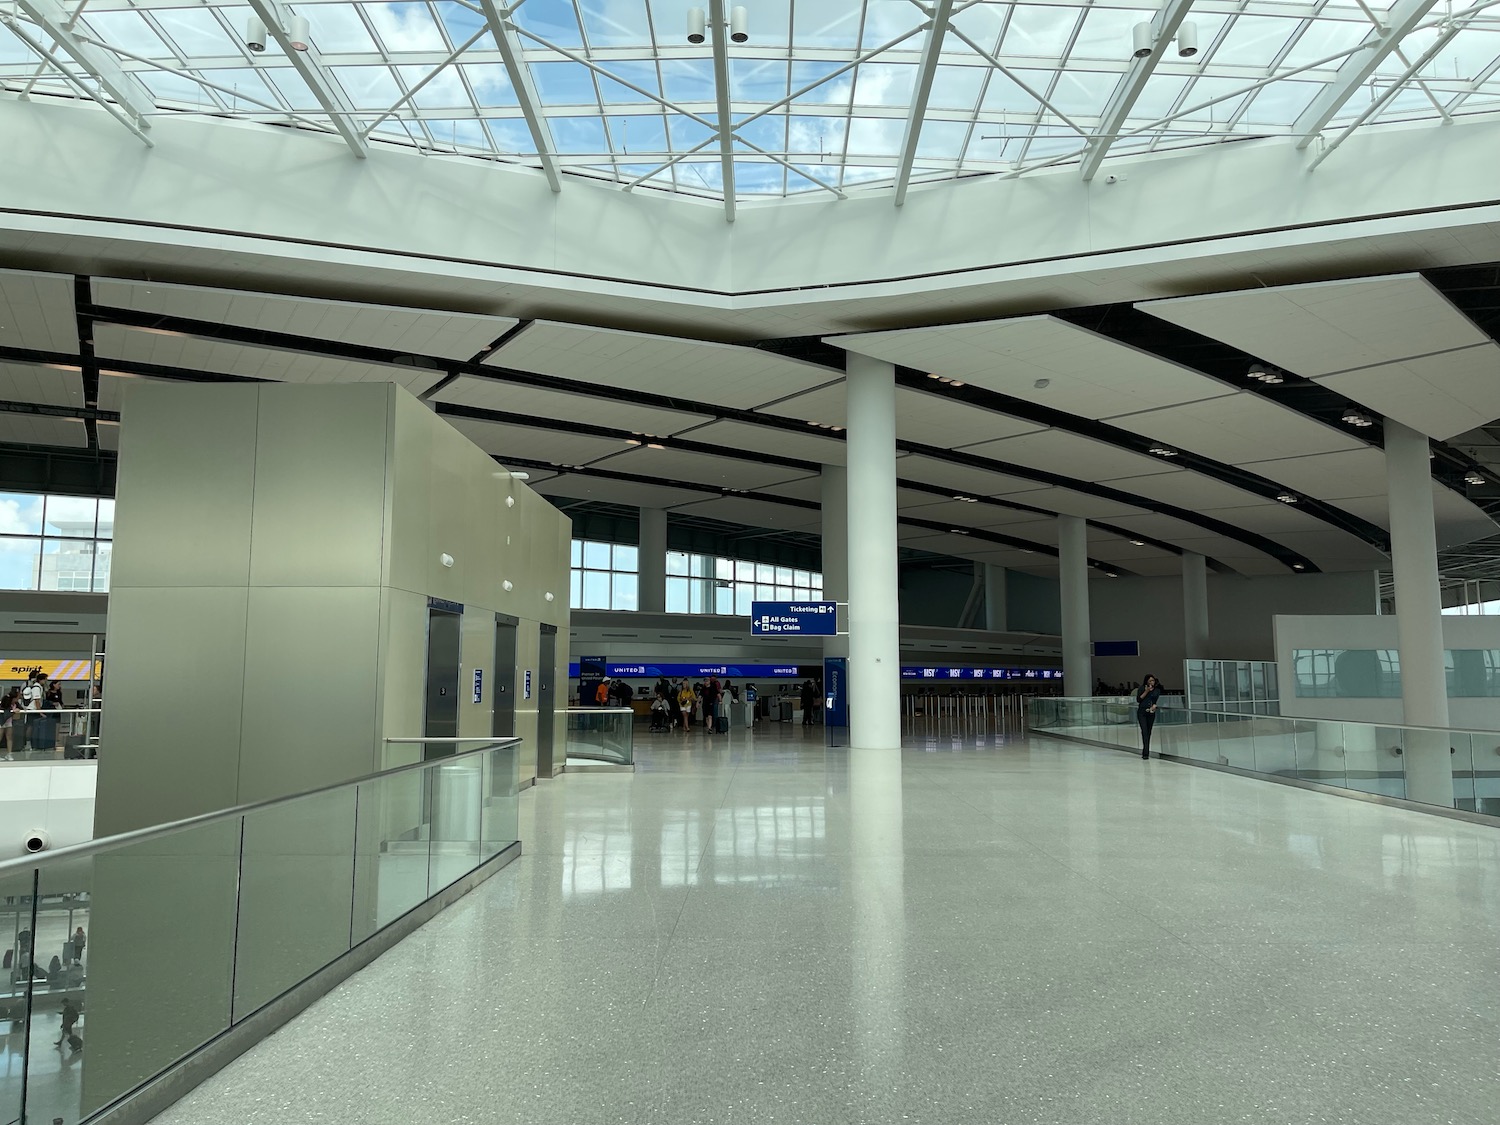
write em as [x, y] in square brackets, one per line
[794, 619]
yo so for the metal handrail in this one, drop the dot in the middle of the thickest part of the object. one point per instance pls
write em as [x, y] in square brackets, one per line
[1284, 718]
[91, 847]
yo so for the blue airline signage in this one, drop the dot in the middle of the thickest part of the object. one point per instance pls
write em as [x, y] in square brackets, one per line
[919, 672]
[649, 669]
[794, 619]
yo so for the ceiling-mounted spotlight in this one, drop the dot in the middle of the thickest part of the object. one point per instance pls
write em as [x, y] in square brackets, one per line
[957, 531]
[1163, 451]
[1286, 498]
[1355, 418]
[255, 34]
[1263, 374]
[1137, 542]
[739, 25]
[697, 24]
[1111, 574]
[1187, 40]
[1140, 36]
[1474, 476]
[1298, 566]
[297, 33]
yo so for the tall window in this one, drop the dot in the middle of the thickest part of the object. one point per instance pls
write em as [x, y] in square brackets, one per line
[55, 542]
[707, 584]
[605, 576]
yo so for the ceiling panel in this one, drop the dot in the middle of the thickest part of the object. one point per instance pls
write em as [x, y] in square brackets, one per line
[416, 331]
[36, 311]
[1238, 428]
[754, 513]
[1333, 544]
[581, 487]
[114, 388]
[804, 488]
[699, 468]
[109, 436]
[1328, 326]
[1069, 502]
[171, 349]
[964, 479]
[930, 419]
[1439, 395]
[1072, 455]
[1327, 476]
[1086, 374]
[493, 394]
[943, 543]
[926, 507]
[1457, 519]
[31, 429]
[740, 377]
[47, 386]
[1270, 520]
[556, 447]
[1240, 556]
[809, 446]
[826, 405]
[1169, 529]
[1189, 490]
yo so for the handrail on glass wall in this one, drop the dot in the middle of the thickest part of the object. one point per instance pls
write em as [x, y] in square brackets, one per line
[1345, 754]
[150, 944]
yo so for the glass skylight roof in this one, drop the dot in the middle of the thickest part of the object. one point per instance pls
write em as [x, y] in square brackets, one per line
[822, 97]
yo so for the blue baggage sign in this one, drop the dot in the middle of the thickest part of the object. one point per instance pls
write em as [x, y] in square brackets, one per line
[794, 619]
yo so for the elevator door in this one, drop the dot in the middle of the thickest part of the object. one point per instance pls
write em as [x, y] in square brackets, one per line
[545, 695]
[440, 719]
[503, 697]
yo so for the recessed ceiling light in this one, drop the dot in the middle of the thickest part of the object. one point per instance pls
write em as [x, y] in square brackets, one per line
[957, 531]
[1137, 542]
[1474, 477]
[1163, 451]
[1286, 498]
[1355, 418]
[655, 445]
[1298, 566]
[1263, 374]
[933, 375]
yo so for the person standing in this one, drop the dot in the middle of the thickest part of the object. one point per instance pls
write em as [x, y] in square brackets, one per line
[1145, 711]
[808, 699]
[685, 701]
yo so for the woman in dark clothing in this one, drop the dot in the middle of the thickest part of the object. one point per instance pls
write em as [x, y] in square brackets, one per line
[1145, 711]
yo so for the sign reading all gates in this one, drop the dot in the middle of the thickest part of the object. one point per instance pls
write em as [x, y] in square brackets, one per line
[794, 619]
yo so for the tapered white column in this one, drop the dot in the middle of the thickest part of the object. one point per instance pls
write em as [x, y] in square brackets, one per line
[994, 598]
[653, 561]
[836, 549]
[1419, 620]
[874, 595]
[1195, 644]
[1073, 555]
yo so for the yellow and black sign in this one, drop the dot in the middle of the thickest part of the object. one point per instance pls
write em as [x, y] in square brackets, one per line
[57, 670]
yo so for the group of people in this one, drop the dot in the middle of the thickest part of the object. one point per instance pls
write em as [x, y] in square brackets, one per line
[27, 716]
[682, 704]
[613, 693]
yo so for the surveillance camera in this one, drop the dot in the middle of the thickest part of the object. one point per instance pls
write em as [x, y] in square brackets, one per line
[255, 35]
[739, 25]
[697, 24]
[1187, 40]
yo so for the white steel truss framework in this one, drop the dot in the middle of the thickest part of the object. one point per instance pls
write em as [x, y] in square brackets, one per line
[825, 96]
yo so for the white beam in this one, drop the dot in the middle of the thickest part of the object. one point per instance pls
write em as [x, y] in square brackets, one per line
[520, 81]
[718, 19]
[307, 64]
[932, 50]
[127, 92]
[1163, 28]
[1401, 20]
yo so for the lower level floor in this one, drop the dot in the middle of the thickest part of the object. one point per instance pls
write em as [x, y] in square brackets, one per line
[980, 928]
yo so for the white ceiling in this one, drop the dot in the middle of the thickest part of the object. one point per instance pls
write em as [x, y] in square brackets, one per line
[930, 419]
[582, 487]
[1072, 455]
[1087, 374]
[699, 468]
[33, 429]
[1238, 428]
[755, 513]
[172, 349]
[46, 386]
[493, 394]
[415, 331]
[964, 480]
[556, 447]
[742, 378]
[808, 446]
[1393, 344]
[36, 312]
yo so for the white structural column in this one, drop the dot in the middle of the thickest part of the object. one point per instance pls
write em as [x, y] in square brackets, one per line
[874, 596]
[1419, 607]
[1073, 555]
[994, 598]
[836, 549]
[1195, 644]
[652, 561]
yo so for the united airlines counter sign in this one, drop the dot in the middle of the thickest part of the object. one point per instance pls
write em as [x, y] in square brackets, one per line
[794, 619]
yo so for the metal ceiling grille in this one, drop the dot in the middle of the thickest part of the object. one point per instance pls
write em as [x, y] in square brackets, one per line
[825, 95]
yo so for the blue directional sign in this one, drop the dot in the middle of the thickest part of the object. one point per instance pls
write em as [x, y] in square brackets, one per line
[794, 619]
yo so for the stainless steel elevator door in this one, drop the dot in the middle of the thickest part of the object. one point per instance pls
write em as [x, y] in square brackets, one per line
[545, 700]
[440, 717]
[503, 689]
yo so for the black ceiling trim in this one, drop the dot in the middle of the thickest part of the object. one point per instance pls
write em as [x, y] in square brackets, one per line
[88, 365]
[388, 357]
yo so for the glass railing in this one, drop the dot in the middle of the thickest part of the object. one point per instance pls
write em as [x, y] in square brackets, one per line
[65, 735]
[602, 734]
[1364, 757]
[148, 945]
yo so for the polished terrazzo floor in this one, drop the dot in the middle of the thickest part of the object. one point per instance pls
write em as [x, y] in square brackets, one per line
[985, 930]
